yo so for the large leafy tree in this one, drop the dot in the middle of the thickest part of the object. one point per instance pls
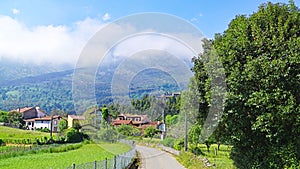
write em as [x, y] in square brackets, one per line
[105, 113]
[210, 89]
[62, 125]
[261, 57]
[15, 119]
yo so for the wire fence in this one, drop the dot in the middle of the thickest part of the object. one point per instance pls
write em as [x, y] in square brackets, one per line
[120, 161]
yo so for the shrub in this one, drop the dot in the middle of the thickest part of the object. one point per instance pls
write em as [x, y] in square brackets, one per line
[128, 130]
[169, 142]
[109, 135]
[38, 142]
[150, 132]
[196, 150]
[2, 143]
[179, 144]
[43, 130]
[73, 136]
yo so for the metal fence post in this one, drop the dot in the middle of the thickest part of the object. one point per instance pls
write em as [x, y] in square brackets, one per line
[115, 162]
[105, 163]
[73, 166]
[95, 164]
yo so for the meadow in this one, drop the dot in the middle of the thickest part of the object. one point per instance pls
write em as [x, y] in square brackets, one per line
[86, 153]
[50, 156]
[18, 134]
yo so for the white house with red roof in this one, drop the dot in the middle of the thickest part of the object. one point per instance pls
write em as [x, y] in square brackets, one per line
[43, 122]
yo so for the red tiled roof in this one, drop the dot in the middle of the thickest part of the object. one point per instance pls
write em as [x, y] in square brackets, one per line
[119, 122]
[142, 117]
[137, 122]
[77, 117]
[153, 123]
[22, 110]
[47, 118]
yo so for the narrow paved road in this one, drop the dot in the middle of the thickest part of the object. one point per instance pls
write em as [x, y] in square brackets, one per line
[152, 158]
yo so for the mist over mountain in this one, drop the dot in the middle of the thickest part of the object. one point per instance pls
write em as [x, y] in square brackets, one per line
[14, 69]
[50, 86]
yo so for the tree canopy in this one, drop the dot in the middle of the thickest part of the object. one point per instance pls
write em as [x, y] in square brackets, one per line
[261, 57]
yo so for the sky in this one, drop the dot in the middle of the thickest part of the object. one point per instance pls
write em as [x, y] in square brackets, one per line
[57, 30]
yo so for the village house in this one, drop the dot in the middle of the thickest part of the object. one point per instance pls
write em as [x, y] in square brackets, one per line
[30, 112]
[72, 119]
[169, 95]
[136, 120]
[43, 122]
[139, 121]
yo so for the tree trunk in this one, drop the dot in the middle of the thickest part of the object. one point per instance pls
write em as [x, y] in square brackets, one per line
[207, 146]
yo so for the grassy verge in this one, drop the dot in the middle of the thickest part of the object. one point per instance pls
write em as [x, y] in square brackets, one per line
[221, 159]
[86, 153]
[190, 161]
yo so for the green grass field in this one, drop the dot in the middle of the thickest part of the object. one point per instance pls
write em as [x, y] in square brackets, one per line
[221, 160]
[18, 134]
[87, 153]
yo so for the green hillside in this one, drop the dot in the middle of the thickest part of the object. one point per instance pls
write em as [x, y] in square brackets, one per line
[17, 134]
[53, 91]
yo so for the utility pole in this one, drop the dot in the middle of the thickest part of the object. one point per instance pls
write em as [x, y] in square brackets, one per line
[186, 133]
[164, 128]
[51, 126]
[95, 118]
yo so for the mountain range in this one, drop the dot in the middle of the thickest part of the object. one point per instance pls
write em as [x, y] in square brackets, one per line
[50, 86]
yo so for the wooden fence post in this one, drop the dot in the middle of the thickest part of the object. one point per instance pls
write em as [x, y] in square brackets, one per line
[73, 166]
[105, 163]
[95, 164]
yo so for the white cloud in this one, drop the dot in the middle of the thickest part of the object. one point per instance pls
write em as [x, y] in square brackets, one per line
[45, 43]
[15, 11]
[106, 17]
[194, 19]
[64, 44]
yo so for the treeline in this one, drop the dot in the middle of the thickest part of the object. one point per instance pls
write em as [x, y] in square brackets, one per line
[56, 95]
